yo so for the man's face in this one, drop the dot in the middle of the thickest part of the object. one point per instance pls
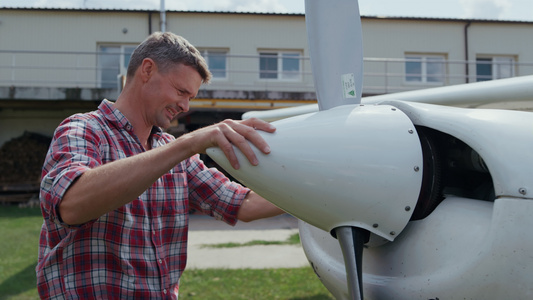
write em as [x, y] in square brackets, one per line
[170, 93]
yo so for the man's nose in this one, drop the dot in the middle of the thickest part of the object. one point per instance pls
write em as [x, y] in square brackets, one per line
[184, 105]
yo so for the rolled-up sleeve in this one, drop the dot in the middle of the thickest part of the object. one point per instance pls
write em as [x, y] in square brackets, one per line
[212, 193]
[72, 152]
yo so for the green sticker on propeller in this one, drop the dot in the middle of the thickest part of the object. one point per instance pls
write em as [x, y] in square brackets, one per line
[348, 85]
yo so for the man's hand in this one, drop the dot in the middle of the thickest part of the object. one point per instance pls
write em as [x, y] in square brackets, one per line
[229, 133]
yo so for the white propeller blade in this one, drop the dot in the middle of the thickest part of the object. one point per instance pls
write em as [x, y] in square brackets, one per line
[335, 46]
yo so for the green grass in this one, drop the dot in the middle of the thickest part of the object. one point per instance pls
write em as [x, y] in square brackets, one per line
[295, 284]
[292, 240]
[19, 233]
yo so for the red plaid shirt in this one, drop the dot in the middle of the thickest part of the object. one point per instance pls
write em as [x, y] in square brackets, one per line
[138, 251]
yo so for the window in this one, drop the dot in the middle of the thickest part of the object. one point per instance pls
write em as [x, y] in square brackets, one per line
[425, 68]
[113, 61]
[498, 67]
[217, 62]
[280, 65]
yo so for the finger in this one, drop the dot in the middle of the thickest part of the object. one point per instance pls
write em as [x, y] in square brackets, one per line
[243, 138]
[248, 129]
[229, 152]
[259, 124]
[258, 141]
[223, 141]
[231, 134]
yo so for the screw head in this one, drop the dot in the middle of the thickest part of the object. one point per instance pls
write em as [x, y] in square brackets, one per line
[522, 191]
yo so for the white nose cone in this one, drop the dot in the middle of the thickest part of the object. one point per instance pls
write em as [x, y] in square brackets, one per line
[351, 165]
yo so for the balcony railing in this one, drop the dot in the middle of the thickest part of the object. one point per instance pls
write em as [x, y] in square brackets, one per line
[64, 69]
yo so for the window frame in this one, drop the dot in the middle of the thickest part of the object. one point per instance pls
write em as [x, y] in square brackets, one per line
[425, 60]
[281, 74]
[124, 53]
[496, 64]
[205, 54]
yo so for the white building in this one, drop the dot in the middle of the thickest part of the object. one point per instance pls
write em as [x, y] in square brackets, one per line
[54, 62]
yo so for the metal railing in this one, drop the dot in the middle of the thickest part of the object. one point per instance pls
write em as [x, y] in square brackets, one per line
[64, 69]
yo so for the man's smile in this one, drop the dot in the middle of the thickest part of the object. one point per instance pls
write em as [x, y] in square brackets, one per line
[173, 113]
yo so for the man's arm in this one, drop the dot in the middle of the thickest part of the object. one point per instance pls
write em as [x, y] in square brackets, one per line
[110, 186]
[255, 207]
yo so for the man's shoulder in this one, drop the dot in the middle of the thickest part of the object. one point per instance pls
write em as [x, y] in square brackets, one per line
[84, 124]
[96, 116]
[89, 119]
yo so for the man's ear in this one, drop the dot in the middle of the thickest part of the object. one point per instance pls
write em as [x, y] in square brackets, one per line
[147, 69]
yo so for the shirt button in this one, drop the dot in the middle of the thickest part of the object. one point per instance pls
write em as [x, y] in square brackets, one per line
[160, 261]
[165, 291]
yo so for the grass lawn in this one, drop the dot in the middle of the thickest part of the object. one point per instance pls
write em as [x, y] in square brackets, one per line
[19, 234]
[295, 284]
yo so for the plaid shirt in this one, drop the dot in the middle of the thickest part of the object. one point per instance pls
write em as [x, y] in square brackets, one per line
[138, 251]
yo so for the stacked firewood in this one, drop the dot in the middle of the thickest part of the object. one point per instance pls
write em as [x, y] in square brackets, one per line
[21, 162]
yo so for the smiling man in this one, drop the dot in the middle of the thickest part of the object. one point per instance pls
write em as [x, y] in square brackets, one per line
[116, 189]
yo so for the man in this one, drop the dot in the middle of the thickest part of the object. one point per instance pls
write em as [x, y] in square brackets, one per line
[116, 189]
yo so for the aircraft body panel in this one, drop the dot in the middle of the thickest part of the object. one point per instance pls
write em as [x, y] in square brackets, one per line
[502, 138]
[352, 165]
[466, 249]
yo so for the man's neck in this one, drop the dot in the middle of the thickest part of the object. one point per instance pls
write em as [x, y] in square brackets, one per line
[141, 129]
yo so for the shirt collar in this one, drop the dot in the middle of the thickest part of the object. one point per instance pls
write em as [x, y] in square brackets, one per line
[116, 117]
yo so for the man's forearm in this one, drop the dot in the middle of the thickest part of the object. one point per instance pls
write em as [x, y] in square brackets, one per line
[255, 207]
[110, 186]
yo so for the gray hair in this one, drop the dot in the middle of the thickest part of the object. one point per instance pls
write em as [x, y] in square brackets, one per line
[168, 49]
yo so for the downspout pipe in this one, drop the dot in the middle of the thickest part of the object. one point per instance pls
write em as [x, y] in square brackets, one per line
[467, 67]
[149, 22]
[163, 21]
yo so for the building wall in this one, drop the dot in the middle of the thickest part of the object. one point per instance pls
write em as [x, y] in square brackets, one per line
[69, 30]
[66, 31]
[79, 33]
[509, 39]
[394, 38]
[243, 35]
